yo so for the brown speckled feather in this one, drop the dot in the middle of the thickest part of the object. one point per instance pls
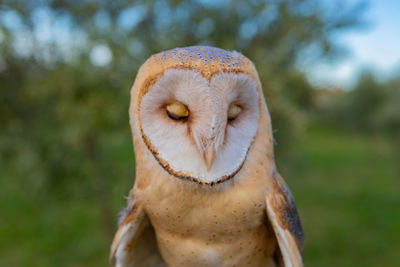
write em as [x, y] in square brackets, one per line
[134, 243]
[285, 220]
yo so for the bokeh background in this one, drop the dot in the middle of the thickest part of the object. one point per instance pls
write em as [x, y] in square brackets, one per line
[67, 159]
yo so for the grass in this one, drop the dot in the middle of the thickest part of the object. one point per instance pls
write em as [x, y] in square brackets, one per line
[348, 195]
[346, 188]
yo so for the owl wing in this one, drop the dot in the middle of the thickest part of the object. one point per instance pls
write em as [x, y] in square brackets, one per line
[135, 242]
[285, 221]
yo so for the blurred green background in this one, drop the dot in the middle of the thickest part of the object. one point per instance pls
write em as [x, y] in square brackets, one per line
[66, 156]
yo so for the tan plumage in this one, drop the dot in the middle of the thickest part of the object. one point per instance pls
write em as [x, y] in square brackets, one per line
[203, 215]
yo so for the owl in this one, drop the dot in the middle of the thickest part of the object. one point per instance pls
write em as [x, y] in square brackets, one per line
[207, 191]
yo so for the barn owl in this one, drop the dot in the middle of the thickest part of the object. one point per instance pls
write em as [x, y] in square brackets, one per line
[207, 192]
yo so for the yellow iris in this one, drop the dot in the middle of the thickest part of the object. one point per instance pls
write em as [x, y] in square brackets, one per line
[233, 111]
[177, 111]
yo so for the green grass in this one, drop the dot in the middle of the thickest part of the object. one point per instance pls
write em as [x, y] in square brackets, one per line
[36, 232]
[348, 195]
[346, 188]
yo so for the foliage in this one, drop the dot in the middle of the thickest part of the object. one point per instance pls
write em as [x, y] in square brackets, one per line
[371, 107]
[357, 108]
[387, 117]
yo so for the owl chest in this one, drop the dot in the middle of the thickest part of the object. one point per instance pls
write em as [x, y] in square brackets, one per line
[188, 217]
[202, 212]
[210, 227]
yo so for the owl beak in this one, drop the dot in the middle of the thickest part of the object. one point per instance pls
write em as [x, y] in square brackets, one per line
[209, 156]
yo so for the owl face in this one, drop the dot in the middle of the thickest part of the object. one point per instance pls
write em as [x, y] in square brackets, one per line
[200, 128]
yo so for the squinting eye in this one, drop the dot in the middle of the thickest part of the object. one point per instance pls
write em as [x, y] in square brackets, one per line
[177, 111]
[233, 111]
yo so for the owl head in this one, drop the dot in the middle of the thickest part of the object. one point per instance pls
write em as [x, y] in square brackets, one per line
[197, 110]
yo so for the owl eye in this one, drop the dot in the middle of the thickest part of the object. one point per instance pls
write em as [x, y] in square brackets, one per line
[177, 111]
[233, 111]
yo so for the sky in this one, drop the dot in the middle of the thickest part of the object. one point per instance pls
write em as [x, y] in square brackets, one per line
[376, 47]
